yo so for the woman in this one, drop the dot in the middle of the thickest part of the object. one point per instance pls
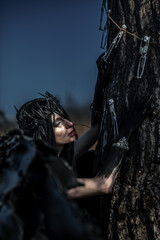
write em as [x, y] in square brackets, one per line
[44, 118]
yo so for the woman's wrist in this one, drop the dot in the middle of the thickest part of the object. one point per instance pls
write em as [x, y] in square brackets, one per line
[103, 185]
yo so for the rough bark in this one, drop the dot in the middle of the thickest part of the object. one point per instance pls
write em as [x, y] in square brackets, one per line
[132, 211]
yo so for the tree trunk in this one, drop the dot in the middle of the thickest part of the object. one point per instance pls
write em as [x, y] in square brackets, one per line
[132, 211]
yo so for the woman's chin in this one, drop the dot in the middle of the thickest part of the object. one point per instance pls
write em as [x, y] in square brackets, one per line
[72, 139]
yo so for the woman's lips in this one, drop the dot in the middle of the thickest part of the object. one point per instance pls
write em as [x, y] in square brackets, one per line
[71, 134]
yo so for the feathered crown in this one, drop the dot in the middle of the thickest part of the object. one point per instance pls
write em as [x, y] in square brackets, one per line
[36, 111]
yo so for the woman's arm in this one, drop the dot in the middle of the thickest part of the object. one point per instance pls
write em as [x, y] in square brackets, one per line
[86, 140]
[98, 185]
[103, 182]
[90, 137]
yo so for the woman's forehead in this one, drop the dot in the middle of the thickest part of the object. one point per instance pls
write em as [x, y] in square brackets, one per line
[56, 115]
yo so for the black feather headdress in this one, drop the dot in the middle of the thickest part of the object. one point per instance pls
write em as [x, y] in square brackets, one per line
[34, 117]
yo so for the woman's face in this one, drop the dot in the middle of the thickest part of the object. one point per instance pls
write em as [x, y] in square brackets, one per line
[63, 130]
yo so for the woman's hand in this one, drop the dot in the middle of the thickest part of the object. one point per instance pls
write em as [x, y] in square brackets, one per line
[93, 186]
[133, 117]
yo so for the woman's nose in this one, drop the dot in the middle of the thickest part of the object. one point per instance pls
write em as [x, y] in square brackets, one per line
[69, 124]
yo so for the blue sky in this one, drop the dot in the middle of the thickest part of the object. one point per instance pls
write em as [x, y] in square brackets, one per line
[48, 45]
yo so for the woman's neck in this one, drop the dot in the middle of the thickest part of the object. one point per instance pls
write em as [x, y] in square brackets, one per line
[59, 149]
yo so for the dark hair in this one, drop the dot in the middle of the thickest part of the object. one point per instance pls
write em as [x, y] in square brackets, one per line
[34, 118]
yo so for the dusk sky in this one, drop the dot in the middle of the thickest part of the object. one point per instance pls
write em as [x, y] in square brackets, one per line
[48, 45]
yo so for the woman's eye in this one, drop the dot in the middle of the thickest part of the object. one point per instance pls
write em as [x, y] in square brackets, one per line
[57, 122]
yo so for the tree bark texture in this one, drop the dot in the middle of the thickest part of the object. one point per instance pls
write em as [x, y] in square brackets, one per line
[132, 211]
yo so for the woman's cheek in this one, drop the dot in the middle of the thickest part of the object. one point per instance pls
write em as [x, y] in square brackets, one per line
[60, 136]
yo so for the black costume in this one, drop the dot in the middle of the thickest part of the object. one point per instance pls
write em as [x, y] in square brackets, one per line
[34, 180]
[32, 193]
